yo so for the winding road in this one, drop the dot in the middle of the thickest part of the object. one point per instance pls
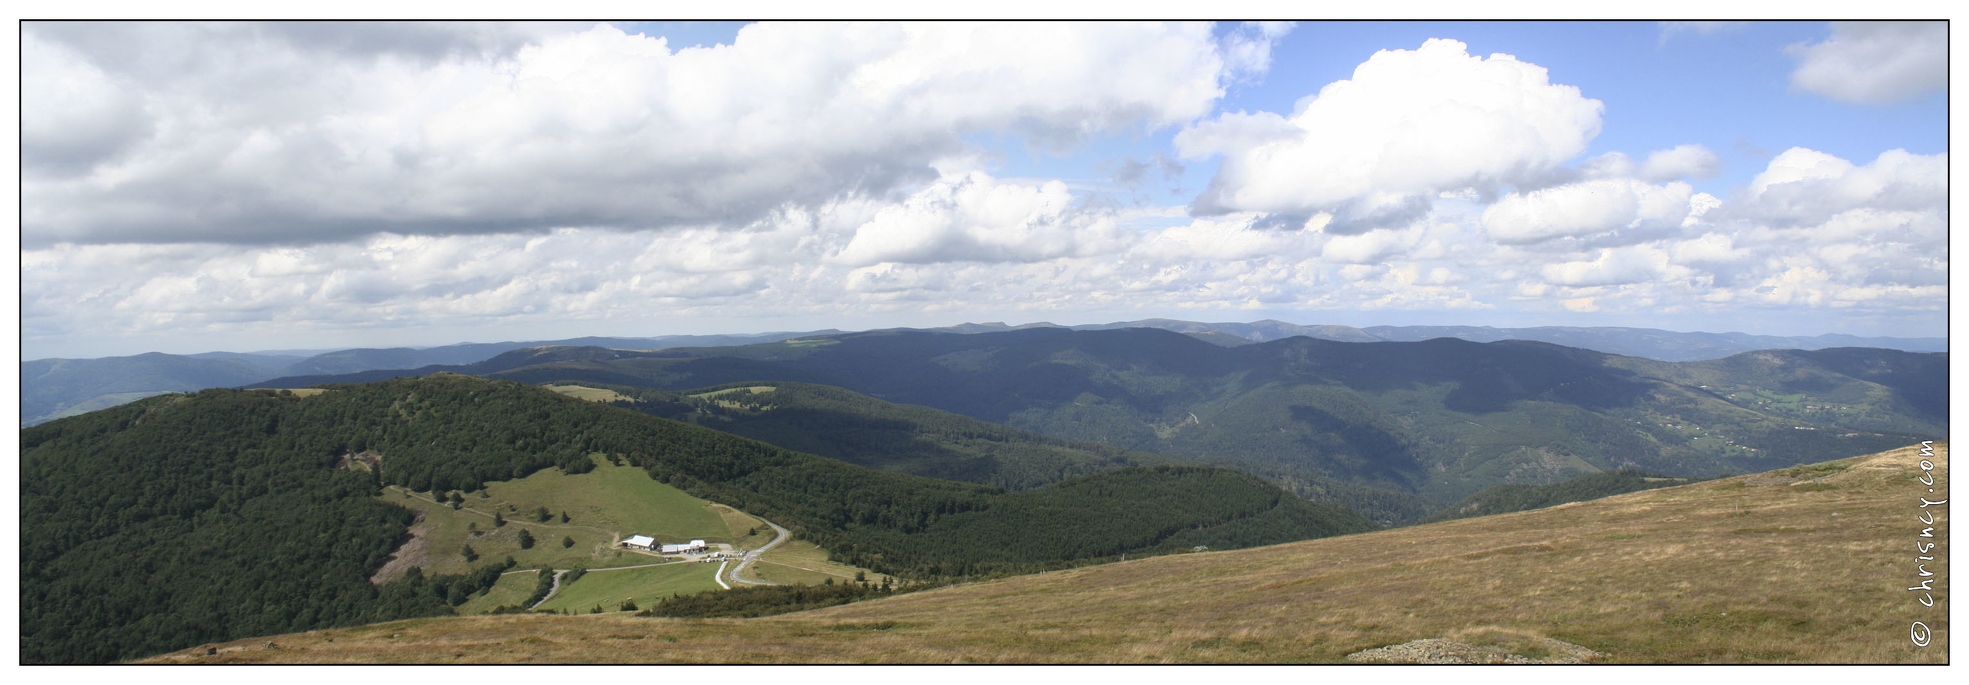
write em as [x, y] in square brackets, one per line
[550, 591]
[779, 535]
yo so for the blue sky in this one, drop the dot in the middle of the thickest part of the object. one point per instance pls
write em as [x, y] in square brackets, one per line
[253, 186]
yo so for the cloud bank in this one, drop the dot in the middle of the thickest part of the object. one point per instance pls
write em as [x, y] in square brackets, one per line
[249, 134]
[288, 183]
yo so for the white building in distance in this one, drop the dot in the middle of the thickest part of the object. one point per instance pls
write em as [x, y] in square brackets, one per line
[640, 542]
[693, 547]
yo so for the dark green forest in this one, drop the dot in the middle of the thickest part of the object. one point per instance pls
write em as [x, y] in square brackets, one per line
[184, 519]
[176, 521]
[858, 429]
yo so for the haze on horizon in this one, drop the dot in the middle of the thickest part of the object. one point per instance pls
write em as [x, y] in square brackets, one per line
[197, 187]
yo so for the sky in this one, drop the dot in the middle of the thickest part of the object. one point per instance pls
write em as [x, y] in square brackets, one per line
[192, 187]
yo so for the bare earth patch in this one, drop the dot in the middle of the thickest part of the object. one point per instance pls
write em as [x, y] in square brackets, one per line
[364, 460]
[411, 553]
[1437, 650]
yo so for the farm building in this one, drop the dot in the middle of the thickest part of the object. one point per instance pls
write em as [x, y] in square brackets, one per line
[693, 546]
[640, 542]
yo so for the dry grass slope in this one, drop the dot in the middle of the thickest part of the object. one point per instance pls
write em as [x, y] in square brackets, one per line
[1802, 565]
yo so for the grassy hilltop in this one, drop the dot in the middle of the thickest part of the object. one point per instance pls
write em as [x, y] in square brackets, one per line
[1800, 565]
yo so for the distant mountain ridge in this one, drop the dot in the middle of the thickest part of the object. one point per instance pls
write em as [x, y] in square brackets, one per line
[841, 424]
[53, 388]
[1668, 346]
[1439, 419]
[1651, 343]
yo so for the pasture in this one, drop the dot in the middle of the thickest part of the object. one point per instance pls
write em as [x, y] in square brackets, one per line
[603, 506]
[798, 562]
[607, 588]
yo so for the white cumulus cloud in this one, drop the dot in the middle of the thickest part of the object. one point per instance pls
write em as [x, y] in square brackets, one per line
[1409, 124]
[1875, 62]
[975, 217]
[1803, 186]
[1588, 208]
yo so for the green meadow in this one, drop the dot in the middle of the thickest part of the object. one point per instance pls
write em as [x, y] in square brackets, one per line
[798, 562]
[590, 394]
[607, 588]
[602, 506]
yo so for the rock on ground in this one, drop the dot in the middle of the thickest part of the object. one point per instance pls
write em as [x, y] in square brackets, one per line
[1441, 651]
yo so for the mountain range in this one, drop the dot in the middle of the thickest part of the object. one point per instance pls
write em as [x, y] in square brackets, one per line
[1439, 419]
[54, 387]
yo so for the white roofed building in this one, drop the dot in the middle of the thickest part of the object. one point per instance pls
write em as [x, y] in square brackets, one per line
[688, 548]
[640, 542]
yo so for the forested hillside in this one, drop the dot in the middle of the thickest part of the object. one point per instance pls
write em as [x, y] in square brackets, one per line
[177, 520]
[181, 519]
[859, 429]
[1439, 419]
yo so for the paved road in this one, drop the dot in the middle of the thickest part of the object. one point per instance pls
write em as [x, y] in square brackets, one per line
[604, 568]
[550, 591]
[779, 536]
